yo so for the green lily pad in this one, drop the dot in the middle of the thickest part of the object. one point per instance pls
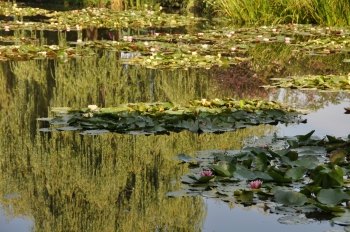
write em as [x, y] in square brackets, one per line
[332, 196]
[290, 198]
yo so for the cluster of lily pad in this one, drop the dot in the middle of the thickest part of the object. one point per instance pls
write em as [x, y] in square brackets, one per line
[289, 175]
[319, 82]
[99, 17]
[213, 47]
[218, 115]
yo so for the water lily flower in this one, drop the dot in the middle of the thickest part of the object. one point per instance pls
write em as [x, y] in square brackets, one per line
[68, 29]
[125, 38]
[42, 53]
[266, 39]
[156, 34]
[194, 53]
[7, 28]
[130, 38]
[206, 173]
[233, 49]
[232, 32]
[200, 34]
[205, 46]
[255, 184]
[92, 107]
[79, 41]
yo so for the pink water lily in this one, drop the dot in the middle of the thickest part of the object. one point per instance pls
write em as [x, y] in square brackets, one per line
[206, 173]
[255, 184]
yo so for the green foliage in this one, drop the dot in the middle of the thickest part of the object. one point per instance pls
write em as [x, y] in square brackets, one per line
[325, 12]
[290, 198]
[321, 82]
[282, 172]
[161, 117]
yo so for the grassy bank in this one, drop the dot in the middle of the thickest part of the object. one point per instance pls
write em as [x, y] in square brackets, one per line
[324, 12]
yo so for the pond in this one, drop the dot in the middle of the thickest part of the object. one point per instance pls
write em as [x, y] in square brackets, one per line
[55, 179]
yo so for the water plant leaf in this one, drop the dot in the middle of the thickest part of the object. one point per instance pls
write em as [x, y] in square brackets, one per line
[260, 162]
[290, 198]
[337, 157]
[293, 143]
[292, 155]
[296, 173]
[278, 177]
[202, 179]
[223, 168]
[305, 137]
[186, 158]
[294, 220]
[332, 196]
[343, 221]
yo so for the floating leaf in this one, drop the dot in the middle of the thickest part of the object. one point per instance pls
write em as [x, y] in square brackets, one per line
[185, 158]
[332, 196]
[290, 198]
[260, 162]
[223, 168]
[296, 173]
[294, 220]
[278, 177]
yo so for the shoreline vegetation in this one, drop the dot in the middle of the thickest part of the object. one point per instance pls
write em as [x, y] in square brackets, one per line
[259, 12]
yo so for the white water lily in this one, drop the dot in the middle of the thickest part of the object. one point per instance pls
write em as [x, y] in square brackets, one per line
[92, 107]
[42, 53]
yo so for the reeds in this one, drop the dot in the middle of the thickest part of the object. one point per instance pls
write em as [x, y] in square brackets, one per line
[324, 12]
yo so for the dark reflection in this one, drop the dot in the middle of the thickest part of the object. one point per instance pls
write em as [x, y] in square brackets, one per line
[240, 81]
[92, 33]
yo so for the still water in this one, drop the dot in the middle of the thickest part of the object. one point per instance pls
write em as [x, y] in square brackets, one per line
[64, 181]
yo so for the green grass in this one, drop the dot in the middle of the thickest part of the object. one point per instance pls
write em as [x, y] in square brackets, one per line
[324, 12]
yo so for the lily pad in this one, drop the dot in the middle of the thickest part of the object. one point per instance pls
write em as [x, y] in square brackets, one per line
[332, 196]
[290, 198]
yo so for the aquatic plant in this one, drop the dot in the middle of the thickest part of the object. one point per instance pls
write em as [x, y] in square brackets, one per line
[315, 82]
[255, 184]
[218, 115]
[296, 171]
[206, 173]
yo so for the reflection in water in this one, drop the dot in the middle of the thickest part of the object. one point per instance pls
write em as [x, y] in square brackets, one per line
[307, 99]
[110, 182]
[14, 224]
